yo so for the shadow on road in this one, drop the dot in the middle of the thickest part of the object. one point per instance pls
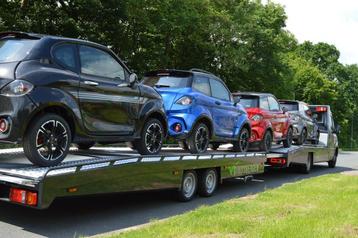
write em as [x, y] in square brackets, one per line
[86, 216]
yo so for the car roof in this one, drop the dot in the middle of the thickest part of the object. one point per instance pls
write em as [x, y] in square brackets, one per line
[252, 94]
[290, 101]
[27, 35]
[189, 73]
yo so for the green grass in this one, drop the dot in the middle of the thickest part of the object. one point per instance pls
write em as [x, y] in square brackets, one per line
[325, 206]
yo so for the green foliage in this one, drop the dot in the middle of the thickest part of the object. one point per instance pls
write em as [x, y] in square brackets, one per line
[244, 42]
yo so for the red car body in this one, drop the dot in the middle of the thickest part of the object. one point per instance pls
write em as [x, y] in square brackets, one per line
[266, 115]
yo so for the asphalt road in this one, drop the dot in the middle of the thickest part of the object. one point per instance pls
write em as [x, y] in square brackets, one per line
[88, 216]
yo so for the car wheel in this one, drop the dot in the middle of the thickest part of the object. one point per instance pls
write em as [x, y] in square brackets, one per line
[303, 137]
[198, 141]
[151, 140]
[208, 182]
[214, 146]
[243, 144]
[183, 145]
[47, 141]
[332, 163]
[266, 142]
[85, 145]
[287, 142]
[188, 187]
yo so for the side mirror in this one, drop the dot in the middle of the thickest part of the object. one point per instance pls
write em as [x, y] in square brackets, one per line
[284, 110]
[236, 101]
[132, 79]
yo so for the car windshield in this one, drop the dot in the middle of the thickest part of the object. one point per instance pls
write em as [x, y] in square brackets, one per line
[249, 101]
[290, 106]
[15, 49]
[166, 81]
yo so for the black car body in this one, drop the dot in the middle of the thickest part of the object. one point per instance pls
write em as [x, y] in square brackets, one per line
[83, 83]
[304, 125]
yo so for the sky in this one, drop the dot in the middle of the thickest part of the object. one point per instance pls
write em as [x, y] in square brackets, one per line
[331, 21]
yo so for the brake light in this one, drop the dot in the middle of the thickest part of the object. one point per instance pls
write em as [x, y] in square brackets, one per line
[22, 196]
[4, 125]
[321, 109]
[280, 161]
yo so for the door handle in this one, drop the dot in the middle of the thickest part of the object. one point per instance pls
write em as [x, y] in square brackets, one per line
[217, 103]
[91, 83]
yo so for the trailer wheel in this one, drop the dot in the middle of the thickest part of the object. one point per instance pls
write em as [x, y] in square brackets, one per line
[188, 187]
[266, 143]
[85, 145]
[182, 144]
[332, 163]
[198, 141]
[151, 140]
[287, 142]
[208, 182]
[306, 168]
[47, 141]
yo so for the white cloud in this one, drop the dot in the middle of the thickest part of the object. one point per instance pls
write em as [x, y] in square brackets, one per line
[331, 21]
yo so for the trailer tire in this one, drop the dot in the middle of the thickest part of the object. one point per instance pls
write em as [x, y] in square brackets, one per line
[198, 140]
[189, 186]
[208, 182]
[47, 141]
[332, 163]
[85, 145]
[151, 140]
[287, 142]
[306, 168]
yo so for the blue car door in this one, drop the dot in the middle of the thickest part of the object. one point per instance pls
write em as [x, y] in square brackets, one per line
[225, 113]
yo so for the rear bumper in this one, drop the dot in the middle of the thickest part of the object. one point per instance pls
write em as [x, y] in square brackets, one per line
[17, 111]
[257, 134]
[185, 120]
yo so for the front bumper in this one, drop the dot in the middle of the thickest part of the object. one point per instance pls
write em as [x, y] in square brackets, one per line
[17, 111]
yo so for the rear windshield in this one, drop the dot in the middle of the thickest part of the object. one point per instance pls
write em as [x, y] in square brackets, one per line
[166, 81]
[290, 106]
[249, 101]
[15, 49]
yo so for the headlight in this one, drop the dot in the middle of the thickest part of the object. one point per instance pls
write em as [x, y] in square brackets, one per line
[185, 101]
[17, 88]
[257, 117]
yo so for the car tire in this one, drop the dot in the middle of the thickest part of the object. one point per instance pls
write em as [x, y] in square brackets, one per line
[302, 137]
[182, 144]
[266, 142]
[85, 145]
[151, 139]
[189, 186]
[47, 140]
[208, 182]
[287, 142]
[198, 140]
[332, 163]
[214, 146]
[242, 145]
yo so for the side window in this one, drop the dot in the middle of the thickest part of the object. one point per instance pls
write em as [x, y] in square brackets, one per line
[100, 63]
[274, 106]
[264, 103]
[202, 85]
[65, 55]
[218, 90]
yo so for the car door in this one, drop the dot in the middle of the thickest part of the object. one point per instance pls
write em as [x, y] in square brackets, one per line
[225, 113]
[278, 118]
[109, 105]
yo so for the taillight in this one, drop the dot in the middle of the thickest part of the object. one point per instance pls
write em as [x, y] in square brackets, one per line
[185, 101]
[23, 196]
[279, 161]
[321, 109]
[177, 127]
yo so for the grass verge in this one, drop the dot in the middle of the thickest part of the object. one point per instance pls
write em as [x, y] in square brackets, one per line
[325, 206]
